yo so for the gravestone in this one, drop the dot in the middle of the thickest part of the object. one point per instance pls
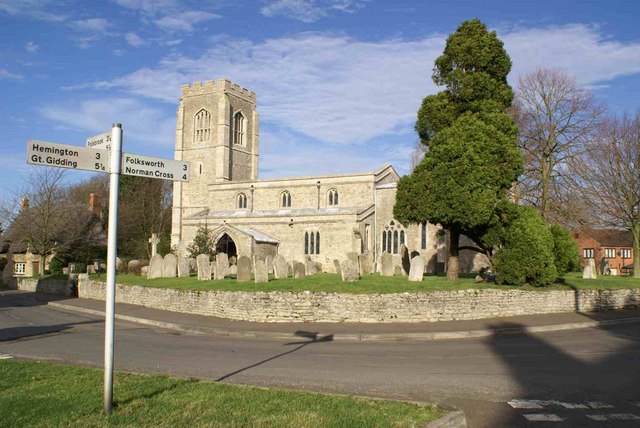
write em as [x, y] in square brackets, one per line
[312, 267]
[155, 267]
[366, 263]
[405, 261]
[169, 266]
[280, 267]
[386, 264]
[222, 265]
[350, 270]
[353, 256]
[269, 262]
[398, 271]
[336, 265]
[416, 272]
[135, 267]
[65, 271]
[261, 274]
[204, 267]
[244, 269]
[119, 264]
[193, 265]
[154, 241]
[144, 270]
[233, 269]
[184, 267]
[298, 270]
[589, 271]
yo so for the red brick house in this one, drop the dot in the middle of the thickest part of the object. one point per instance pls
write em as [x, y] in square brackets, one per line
[614, 245]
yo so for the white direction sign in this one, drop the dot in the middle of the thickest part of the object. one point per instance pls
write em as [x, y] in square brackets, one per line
[102, 141]
[66, 156]
[147, 166]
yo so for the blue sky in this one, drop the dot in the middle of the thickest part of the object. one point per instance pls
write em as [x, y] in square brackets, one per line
[338, 81]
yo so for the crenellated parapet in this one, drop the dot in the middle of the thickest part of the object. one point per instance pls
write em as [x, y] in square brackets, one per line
[220, 86]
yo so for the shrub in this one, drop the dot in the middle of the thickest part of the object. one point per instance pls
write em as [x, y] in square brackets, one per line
[527, 252]
[202, 243]
[565, 250]
[56, 265]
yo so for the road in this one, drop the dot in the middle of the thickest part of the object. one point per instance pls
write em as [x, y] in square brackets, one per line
[584, 377]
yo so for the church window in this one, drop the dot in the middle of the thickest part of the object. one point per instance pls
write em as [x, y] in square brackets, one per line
[202, 126]
[333, 197]
[393, 236]
[312, 242]
[285, 199]
[241, 201]
[238, 129]
[423, 236]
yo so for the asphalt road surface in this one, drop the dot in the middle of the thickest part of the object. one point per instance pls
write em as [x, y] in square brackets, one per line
[588, 377]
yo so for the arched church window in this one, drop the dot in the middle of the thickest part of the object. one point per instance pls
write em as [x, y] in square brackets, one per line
[285, 199]
[238, 129]
[393, 236]
[333, 197]
[423, 236]
[306, 242]
[241, 201]
[312, 242]
[202, 126]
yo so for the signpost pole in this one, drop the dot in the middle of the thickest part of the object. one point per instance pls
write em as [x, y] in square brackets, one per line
[115, 163]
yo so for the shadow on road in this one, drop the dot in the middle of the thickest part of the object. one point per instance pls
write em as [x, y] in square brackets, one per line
[32, 331]
[313, 336]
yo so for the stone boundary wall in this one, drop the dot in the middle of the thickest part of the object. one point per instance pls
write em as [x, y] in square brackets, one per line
[334, 307]
[62, 287]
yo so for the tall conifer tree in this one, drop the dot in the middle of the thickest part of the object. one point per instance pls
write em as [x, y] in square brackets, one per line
[473, 157]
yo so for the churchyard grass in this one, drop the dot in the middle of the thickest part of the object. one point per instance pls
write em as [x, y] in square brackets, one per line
[40, 394]
[369, 284]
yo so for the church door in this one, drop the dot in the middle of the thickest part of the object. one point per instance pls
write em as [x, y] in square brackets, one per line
[226, 245]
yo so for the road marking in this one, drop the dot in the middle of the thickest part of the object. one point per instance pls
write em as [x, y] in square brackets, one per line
[539, 404]
[525, 404]
[5, 357]
[570, 405]
[615, 417]
[598, 405]
[543, 417]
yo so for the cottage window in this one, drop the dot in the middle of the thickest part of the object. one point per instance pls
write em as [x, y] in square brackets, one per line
[238, 129]
[19, 268]
[610, 253]
[202, 126]
[285, 199]
[625, 253]
[587, 253]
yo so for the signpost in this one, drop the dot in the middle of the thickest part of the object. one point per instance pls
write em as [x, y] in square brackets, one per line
[104, 154]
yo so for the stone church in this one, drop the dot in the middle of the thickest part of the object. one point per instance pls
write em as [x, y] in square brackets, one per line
[321, 217]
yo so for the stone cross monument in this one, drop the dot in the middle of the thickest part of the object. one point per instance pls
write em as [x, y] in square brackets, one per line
[154, 240]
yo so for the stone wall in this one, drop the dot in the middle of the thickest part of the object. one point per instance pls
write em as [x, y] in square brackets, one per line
[334, 307]
[47, 286]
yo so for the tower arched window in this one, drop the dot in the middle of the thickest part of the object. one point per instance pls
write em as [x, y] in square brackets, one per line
[312, 242]
[333, 197]
[285, 199]
[238, 129]
[241, 201]
[393, 236]
[202, 126]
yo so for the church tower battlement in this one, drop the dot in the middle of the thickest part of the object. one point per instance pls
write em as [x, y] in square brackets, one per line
[217, 131]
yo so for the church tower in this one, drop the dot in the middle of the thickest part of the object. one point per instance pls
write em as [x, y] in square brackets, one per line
[217, 132]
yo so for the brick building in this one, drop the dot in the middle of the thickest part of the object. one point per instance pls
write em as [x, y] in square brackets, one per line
[616, 246]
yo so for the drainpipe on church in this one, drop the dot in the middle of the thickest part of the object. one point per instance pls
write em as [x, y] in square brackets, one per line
[252, 198]
[318, 186]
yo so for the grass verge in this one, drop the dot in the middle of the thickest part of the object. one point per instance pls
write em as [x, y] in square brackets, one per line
[39, 394]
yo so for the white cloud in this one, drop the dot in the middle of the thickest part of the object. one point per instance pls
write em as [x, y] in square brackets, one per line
[6, 74]
[342, 90]
[115, 52]
[34, 9]
[150, 7]
[134, 40]
[309, 10]
[142, 123]
[185, 21]
[98, 26]
[31, 47]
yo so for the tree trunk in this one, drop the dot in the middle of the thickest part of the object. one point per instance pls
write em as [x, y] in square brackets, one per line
[635, 231]
[453, 265]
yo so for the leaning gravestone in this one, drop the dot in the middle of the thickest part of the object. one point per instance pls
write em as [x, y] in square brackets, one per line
[398, 271]
[589, 271]
[336, 265]
[366, 263]
[350, 270]
[119, 264]
[155, 267]
[298, 270]
[312, 267]
[280, 267]
[417, 269]
[134, 267]
[244, 269]
[144, 271]
[386, 264]
[222, 265]
[193, 265]
[169, 266]
[261, 274]
[353, 256]
[269, 262]
[184, 268]
[204, 267]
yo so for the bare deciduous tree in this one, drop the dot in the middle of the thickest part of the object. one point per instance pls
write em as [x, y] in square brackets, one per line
[608, 176]
[556, 119]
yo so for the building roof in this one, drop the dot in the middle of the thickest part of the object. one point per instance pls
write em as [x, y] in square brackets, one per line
[259, 236]
[282, 212]
[610, 237]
